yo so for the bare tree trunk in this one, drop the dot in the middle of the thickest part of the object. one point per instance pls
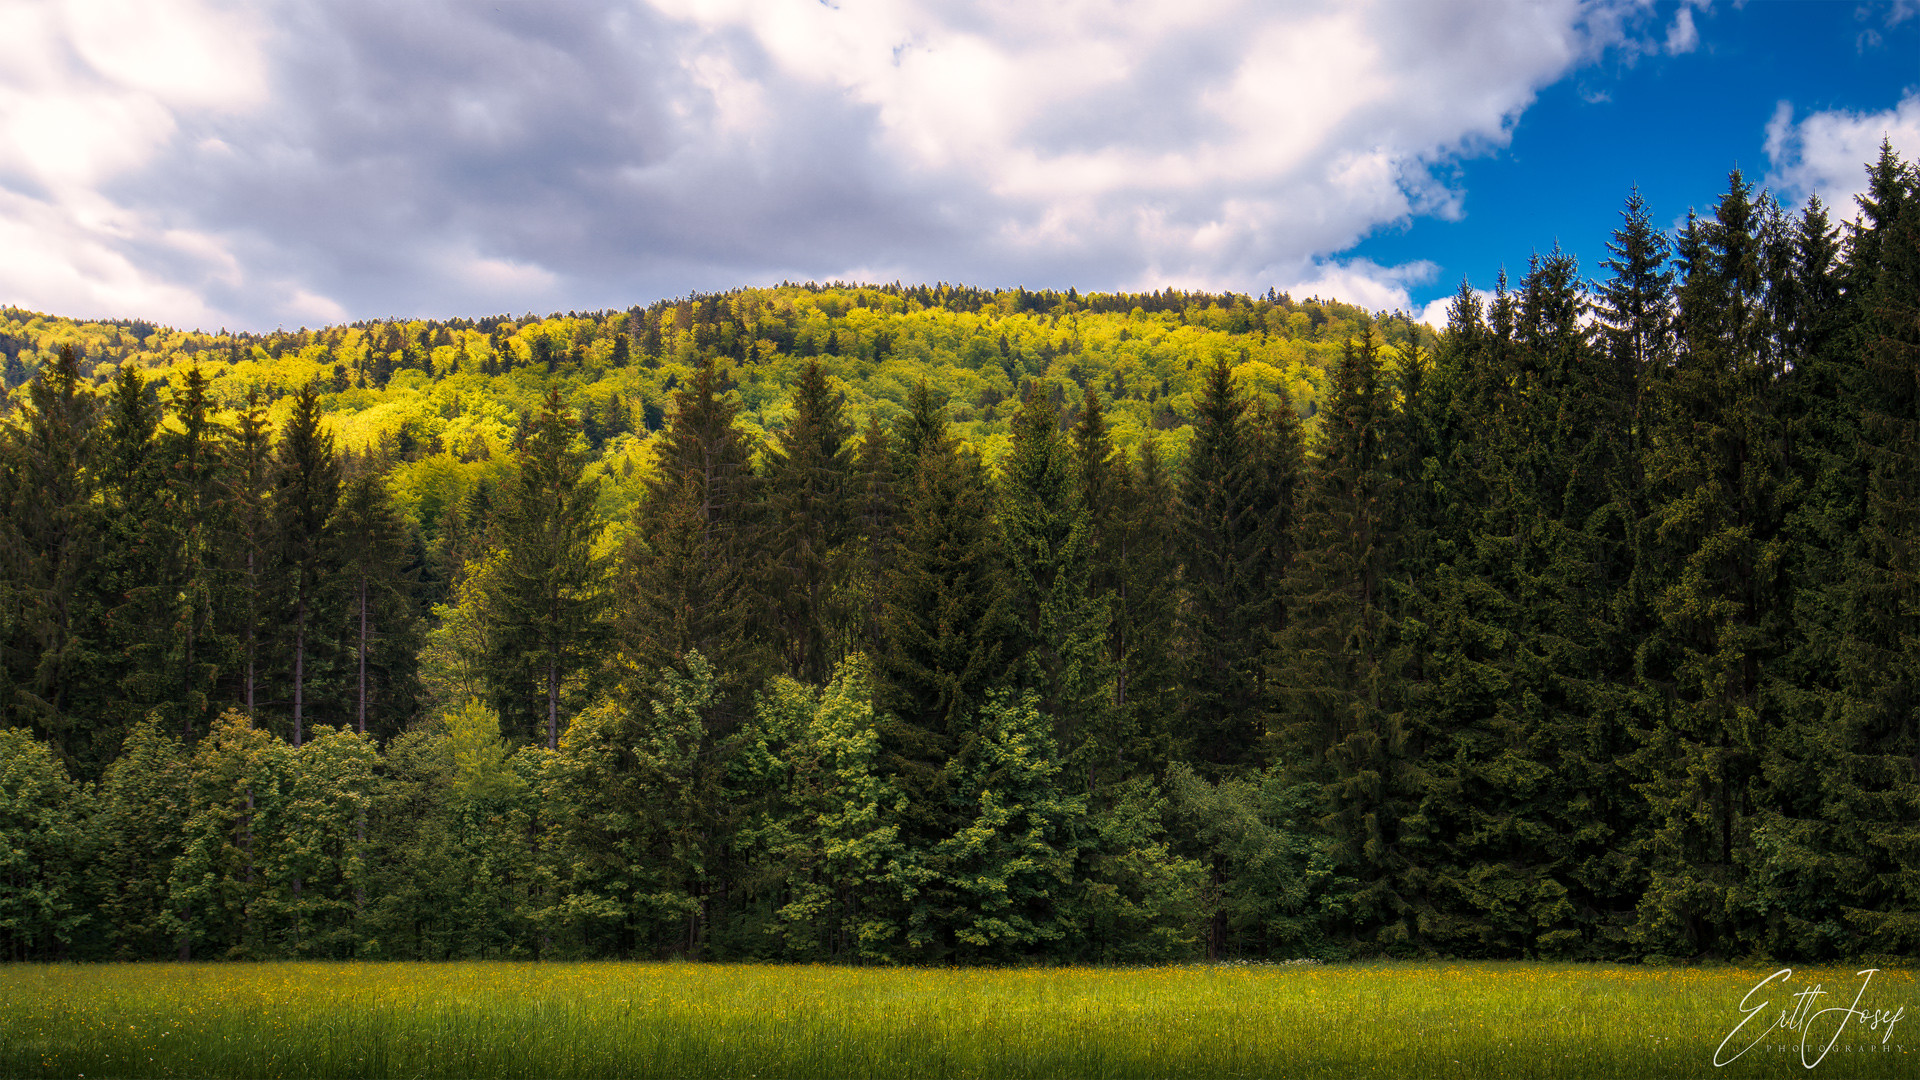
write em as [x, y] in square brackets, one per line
[553, 705]
[246, 847]
[299, 670]
[253, 587]
[363, 653]
[186, 716]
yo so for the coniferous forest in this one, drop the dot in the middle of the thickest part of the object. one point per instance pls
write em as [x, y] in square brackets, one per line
[930, 624]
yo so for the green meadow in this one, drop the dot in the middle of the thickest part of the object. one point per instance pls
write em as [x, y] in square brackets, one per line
[700, 1020]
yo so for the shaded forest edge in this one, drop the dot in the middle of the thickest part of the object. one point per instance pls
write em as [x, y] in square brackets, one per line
[925, 624]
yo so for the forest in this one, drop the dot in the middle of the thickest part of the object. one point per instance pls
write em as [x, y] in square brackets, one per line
[928, 624]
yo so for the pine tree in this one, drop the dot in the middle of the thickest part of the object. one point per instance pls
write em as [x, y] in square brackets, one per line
[197, 508]
[946, 628]
[808, 491]
[546, 599]
[378, 612]
[53, 536]
[1236, 517]
[1046, 532]
[1145, 599]
[1133, 510]
[1335, 673]
[1865, 758]
[1715, 465]
[250, 558]
[136, 594]
[306, 488]
[690, 566]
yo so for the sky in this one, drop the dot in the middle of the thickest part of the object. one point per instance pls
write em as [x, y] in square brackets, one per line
[252, 166]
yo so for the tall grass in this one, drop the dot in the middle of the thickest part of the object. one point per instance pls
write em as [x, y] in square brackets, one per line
[689, 1020]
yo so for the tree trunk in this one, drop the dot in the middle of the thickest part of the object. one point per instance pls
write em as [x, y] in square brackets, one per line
[252, 627]
[553, 705]
[299, 670]
[363, 654]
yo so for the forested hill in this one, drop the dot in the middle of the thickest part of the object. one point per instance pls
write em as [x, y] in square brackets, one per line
[412, 386]
[887, 624]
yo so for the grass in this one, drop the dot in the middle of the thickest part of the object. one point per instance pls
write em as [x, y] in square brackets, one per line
[691, 1020]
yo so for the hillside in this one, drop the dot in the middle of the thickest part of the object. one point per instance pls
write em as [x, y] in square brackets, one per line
[931, 625]
[438, 396]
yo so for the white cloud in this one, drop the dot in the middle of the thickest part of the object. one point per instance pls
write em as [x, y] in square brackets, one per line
[1362, 282]
[257, 165]
[92, 92]
[1822, 153]
[1682, 37]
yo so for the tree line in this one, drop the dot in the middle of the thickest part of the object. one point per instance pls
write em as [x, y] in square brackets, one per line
[1586, 633]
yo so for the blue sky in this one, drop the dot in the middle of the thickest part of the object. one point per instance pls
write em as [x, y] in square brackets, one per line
[1674, 124]
[212, 163]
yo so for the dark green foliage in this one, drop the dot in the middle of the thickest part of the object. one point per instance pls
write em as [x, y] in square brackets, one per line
[306, 487]
[1718, 490]
[376, 616]
[1047, 534]
[1585, 629]
[1236, 494]
[1866, 751]
[544, 595]
[945, 624]
[53, 535]
[686, 573]
[1337, 669]
[810, 492]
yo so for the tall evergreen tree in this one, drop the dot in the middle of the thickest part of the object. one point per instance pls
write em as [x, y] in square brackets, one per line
[1047, 534]
[196, 510]
[873, 505]
[689, 565]
[250, 556]
[1236, 507]
[378, 612]
[133, 579]
[53, 536]
[1133, 510]
[546, 599]
[1866, 757]
[1715, 470]
[809, 486]
[1335, 671]
[946, 626]
[306, 488]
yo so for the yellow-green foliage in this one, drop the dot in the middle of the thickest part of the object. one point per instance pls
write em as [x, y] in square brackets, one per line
[683, 1020]
[448, 423]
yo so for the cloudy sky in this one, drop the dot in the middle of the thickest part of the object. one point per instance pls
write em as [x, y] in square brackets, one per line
[310, 161]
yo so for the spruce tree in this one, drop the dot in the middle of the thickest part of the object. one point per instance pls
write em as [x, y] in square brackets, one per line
[197, 508]
[306, 488]
[1715, 471]
[1047, 535]
[1864, 843]
[545, 600]
[1335, 672]
[249, 557]
[137, 596]
[376, 613]
[809, 488]
[946, 629]
[1235, 516]
[53, 536]
[691, 566]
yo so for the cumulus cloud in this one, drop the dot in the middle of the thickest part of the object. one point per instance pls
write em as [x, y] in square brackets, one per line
[1682, 37]
[350, 158]
[1821, 153]
[1363, 282]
